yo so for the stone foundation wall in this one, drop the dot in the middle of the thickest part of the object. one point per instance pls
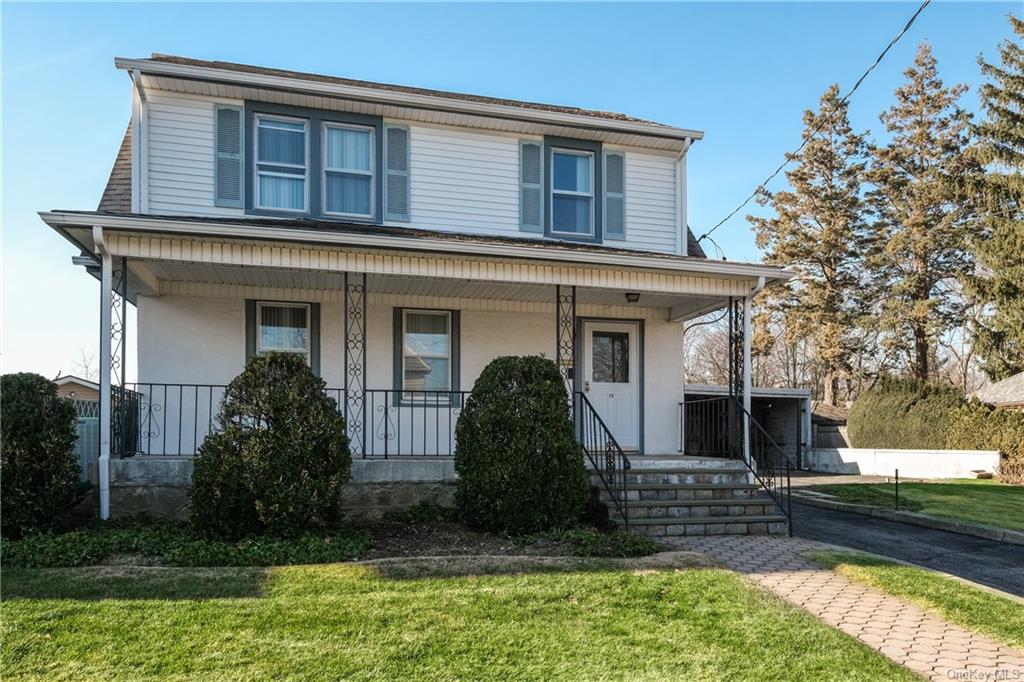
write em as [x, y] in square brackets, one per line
[158, 486]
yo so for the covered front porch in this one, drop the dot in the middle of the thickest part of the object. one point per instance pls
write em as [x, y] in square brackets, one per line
[399, 335]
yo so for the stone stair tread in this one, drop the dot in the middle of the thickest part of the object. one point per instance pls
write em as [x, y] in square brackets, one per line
[683, 470]
[701, 520]
[691, 486]
[716, 502]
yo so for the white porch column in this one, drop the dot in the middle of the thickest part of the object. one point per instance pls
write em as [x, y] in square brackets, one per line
[747, 382]
[106, 293]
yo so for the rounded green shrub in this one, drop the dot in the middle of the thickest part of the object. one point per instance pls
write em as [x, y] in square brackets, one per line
[281, 456]
[902, 414]
[39, 472]
[519, 465]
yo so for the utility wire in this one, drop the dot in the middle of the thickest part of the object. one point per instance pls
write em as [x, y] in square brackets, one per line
[822, 122]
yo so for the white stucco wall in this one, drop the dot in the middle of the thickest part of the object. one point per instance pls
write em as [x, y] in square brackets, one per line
[911, 463]
[202, 340]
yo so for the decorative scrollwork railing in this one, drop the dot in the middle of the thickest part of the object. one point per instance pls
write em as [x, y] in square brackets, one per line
[603, 452]
[412, 423]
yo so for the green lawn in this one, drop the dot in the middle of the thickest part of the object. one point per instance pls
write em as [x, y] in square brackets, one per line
[975, 501]
[553, 619]
[970, 607]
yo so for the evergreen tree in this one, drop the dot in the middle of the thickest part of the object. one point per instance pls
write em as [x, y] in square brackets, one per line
[818, 231]
[919, 242]
[998, 194]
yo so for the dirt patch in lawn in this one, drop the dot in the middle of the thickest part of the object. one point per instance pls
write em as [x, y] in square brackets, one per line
[444, 538]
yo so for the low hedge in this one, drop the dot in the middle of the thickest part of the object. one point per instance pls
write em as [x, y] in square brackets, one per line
[177, 544]
[976, 426]
[908, 414]
[520, 467]
[902, 414]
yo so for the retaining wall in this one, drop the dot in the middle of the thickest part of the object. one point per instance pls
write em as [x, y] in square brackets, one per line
[911, 463]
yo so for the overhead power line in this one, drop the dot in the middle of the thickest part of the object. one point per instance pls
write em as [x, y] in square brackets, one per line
[821, 122]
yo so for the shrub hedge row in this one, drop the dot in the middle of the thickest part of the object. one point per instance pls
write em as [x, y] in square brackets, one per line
[903, 413]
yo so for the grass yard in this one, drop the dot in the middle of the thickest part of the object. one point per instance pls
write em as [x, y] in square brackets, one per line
[567, 618]
[975, 501]
[970, 607]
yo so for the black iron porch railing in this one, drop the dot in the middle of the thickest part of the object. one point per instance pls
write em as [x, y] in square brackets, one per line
[603, 452]
[174, 419]
[168, 419]
[401, 423]
[714, 427]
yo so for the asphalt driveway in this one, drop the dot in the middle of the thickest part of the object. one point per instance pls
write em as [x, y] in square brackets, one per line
[982, 561]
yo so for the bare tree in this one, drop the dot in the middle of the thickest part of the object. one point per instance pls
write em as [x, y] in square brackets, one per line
[86, 366]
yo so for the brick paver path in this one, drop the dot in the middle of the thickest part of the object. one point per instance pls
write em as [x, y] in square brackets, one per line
[905, 633]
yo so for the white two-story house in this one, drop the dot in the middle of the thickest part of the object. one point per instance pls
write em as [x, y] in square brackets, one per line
[398, 238]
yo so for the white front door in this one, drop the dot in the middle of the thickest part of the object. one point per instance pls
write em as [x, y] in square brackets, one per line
[611, 377]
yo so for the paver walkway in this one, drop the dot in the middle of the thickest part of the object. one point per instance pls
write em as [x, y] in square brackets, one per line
[912, 637]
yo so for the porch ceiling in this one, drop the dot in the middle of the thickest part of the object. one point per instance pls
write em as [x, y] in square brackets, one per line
[166, 277]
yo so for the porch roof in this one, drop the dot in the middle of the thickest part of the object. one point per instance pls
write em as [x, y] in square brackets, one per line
[175, 254]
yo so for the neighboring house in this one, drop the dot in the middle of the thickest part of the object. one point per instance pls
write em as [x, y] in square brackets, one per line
[69, 386]
[399, 239]
[1008, 393]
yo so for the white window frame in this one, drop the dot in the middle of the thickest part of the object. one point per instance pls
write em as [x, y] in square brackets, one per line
[260, 349]
[412, 392]
[256, 164]
[372, 173]
[592, 194]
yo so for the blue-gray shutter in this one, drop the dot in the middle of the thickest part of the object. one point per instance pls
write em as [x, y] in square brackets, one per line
[531, 186]
[396, 173]
[228, 152]
[614, 195]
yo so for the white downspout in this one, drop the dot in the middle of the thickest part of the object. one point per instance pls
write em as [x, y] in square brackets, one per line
[747, 374]
[105, 369]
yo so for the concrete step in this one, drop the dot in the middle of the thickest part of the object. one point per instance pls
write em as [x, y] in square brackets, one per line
[684, 476]
[645, 492]
[680, 461]
[695, 509]
[768, 524]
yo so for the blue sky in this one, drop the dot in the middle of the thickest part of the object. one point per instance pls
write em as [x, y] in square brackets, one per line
[743, 73]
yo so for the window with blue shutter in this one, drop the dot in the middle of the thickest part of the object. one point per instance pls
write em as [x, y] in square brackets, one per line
[531, 186]
[228, 161]
[396, 173]
[614, 195]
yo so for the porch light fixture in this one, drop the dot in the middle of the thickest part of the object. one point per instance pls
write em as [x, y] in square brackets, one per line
[632, 297]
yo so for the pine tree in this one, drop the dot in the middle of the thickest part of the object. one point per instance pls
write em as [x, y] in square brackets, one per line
[817, 232]
[919, 241]
[998, 194]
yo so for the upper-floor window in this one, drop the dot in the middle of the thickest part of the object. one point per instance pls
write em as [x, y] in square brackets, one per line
[572, 192]
[348, 170]
[282, 153]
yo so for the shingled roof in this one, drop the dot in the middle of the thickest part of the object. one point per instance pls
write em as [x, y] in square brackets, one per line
[117, 199]
[337, 80]
[117, 195]
[1006, 393]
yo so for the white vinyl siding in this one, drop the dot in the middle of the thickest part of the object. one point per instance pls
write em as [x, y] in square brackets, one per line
[460, 180]
[650, 203]
[464, 181]
[180, 156]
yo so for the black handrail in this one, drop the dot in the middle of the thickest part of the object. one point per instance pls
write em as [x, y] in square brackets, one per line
[714, 427]
[770, 465]
[605, 455]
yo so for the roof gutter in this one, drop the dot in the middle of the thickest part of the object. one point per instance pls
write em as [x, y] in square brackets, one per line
[548, 252]
[392, 97]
